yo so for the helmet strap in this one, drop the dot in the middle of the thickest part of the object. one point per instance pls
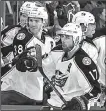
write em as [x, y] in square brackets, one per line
[73, 51]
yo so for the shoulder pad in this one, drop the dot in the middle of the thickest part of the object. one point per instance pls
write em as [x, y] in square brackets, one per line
[7, 28]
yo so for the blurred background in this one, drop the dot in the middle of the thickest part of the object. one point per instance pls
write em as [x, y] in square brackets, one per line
[10, 9]
[9, 12]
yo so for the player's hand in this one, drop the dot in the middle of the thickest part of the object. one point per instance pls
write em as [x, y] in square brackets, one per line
[32, 52]
[60, 79]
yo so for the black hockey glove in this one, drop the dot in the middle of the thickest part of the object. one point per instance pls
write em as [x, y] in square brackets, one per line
[76, 104]
[27, 63]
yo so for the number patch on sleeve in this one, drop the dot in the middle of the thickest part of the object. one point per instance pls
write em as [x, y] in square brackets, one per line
[94, 74]
[18, 49]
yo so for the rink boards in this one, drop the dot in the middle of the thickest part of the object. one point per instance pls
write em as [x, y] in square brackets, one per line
[32, 108]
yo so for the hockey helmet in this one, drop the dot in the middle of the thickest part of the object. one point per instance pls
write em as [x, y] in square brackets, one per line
[83, 17]
[38, 11]
[72, 29]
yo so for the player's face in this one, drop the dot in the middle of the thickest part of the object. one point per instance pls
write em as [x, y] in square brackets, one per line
[90, 30]
[35, 24]
[23, 19]
[67, 42]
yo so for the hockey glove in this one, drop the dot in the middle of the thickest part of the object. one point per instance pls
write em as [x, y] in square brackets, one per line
[76, 104]
[27, 63]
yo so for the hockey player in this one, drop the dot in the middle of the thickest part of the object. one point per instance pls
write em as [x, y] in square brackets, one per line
[76, 74]
[9, 32]
[87, 22]
[23, 80]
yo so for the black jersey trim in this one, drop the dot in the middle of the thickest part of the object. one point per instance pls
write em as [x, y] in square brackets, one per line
[5, 72]
[85, 68]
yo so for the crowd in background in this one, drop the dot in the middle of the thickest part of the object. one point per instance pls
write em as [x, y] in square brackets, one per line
[58, 13]
[97, 8]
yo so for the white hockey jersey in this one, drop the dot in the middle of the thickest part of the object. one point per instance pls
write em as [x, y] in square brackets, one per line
[28, 83]
[89, 47]
[101, 60]
[71, 76]
[7, 37]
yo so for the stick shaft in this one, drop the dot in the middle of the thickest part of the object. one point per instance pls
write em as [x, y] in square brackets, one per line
[39, 61]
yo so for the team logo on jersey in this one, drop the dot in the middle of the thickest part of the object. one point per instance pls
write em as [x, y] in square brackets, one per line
[21, 36]
[86, 61]
[60, 78]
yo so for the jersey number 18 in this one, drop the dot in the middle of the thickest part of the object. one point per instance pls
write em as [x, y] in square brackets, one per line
[18, 49]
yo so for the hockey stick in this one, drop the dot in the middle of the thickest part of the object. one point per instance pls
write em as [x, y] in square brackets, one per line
[39, 61]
